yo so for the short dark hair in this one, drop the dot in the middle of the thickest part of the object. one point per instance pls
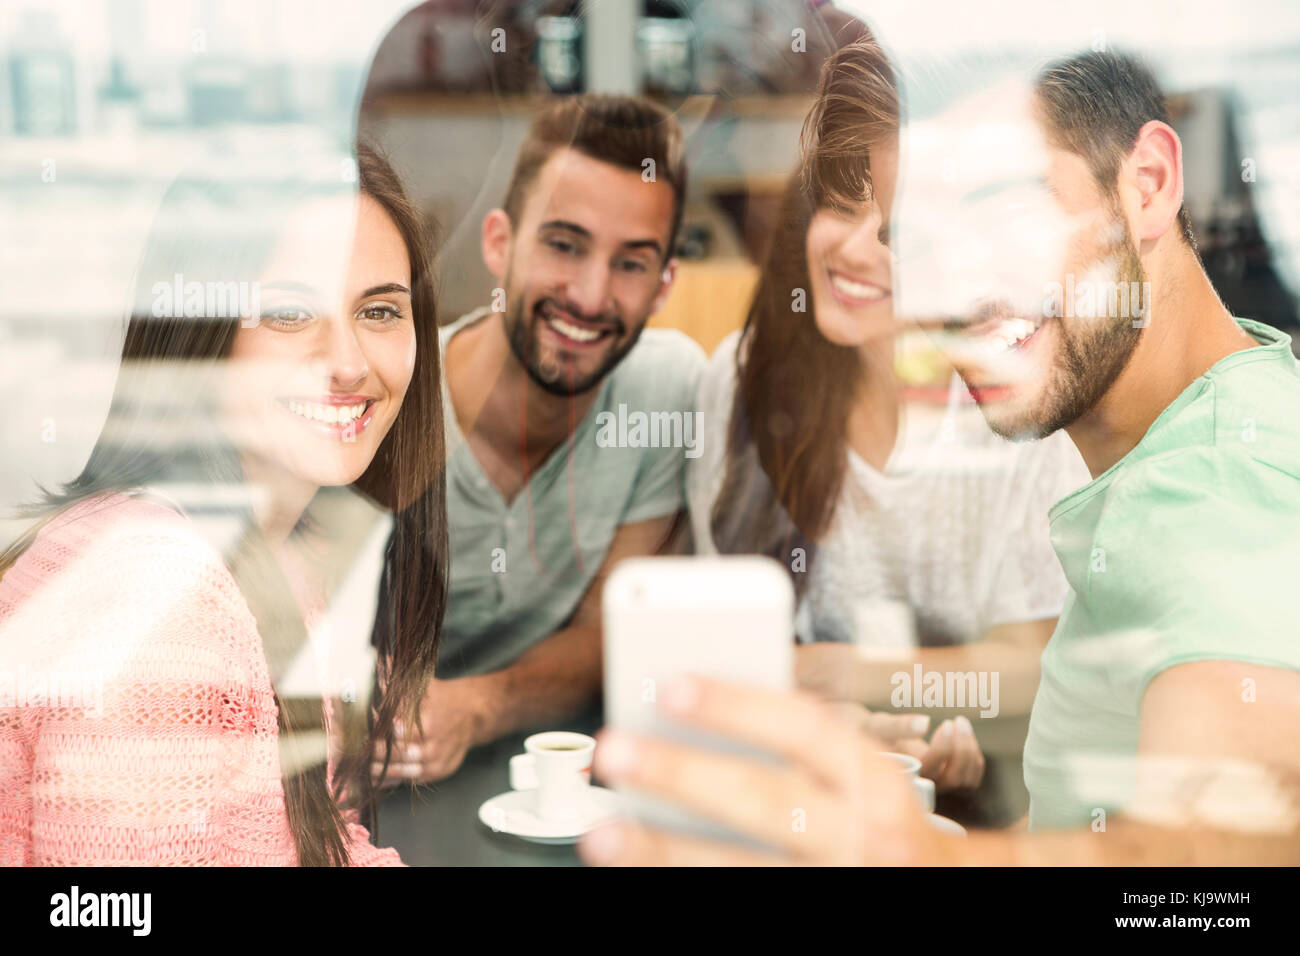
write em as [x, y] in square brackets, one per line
[1096, 103]
[623, 131]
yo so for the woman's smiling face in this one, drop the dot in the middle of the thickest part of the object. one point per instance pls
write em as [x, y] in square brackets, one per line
[313, 386]
[849, 262]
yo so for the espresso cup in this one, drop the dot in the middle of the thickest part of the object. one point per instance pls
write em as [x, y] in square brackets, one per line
[562, 767]
[921, 786]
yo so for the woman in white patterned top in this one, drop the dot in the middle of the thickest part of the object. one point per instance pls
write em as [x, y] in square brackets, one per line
[917, 540]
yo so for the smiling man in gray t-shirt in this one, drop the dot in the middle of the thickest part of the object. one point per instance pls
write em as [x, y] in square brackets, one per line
[568, 427]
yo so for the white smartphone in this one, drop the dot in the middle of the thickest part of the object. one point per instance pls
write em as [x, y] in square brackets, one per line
[725, 617]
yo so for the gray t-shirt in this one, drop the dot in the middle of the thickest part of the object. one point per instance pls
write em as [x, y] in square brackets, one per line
[520, 569]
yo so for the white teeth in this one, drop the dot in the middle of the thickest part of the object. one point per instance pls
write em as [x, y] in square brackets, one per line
[329, 414]
[573, 331]
[1011, 332]
[856, 290]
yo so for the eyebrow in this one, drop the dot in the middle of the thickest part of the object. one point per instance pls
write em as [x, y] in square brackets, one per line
[385, 289]
[577, 230]
[288, 285]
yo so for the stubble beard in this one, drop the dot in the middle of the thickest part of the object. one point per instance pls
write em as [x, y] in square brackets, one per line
[523, 333]
[1093, 352]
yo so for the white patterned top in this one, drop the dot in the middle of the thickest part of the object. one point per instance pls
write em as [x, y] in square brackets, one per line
[954, 528]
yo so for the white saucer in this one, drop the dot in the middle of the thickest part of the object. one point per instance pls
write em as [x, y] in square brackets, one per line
[512, 812]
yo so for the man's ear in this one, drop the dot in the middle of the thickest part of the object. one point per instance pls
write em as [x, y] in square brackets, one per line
[666, 278]
[495, 243]
[1151, 181]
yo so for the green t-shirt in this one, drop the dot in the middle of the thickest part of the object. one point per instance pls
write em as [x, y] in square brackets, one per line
[1187, 549]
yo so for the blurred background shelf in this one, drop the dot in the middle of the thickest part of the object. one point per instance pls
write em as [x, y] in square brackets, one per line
[709, 300]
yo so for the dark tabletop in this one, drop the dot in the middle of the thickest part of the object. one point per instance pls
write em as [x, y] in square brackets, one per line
[437, 824]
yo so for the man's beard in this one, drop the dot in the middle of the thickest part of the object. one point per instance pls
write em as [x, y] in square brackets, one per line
[1093, 353]
[523, 334]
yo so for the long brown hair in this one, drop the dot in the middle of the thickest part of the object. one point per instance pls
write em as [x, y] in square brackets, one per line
[786, 453]
[210, 229]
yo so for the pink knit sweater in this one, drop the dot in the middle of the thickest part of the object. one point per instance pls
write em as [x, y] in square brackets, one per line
[137, 721]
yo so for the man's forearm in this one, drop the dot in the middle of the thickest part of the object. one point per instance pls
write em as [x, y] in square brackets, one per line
[552, 681]
[1125, 843]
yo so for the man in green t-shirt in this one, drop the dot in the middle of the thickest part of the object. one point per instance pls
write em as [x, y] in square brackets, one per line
[1165, 725]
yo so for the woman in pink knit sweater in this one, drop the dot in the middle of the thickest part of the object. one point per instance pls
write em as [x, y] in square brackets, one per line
[146, 640]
